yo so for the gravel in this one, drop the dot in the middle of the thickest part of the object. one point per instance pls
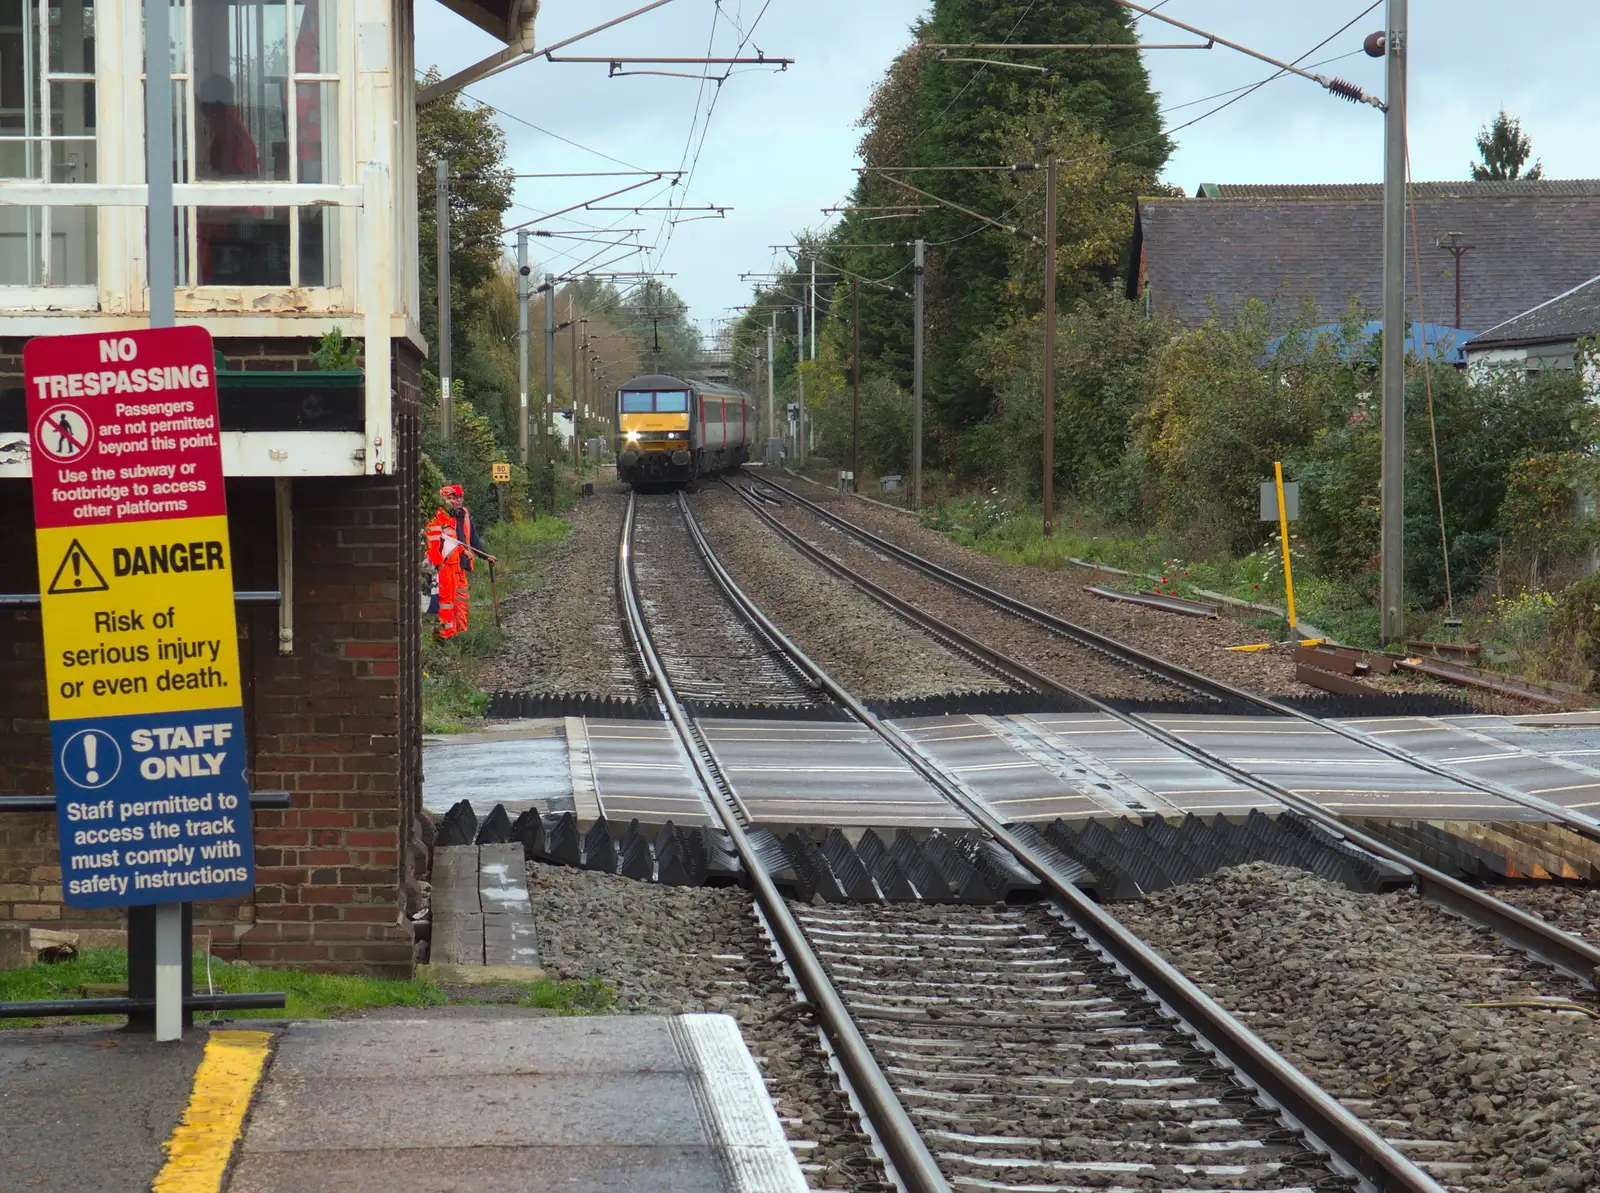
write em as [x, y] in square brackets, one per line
[1371, 995]
[676, 949]
[1077, 666]
[562, 633]
[1010, 1044]
[1572, 909]
[872, 653]
[709, 650]
[1196, 643]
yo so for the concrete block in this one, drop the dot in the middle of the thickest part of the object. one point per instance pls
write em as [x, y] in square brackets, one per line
[14, 950]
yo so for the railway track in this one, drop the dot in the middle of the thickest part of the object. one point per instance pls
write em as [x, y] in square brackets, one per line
[1136, 657]
[711, 655]
[1575, 957]
[1085, 1031]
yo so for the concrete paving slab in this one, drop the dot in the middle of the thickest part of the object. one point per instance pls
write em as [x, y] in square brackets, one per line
[523, 1169]
[552, 1109]
[86, 1109]
[414, 1047]
[647, 1104]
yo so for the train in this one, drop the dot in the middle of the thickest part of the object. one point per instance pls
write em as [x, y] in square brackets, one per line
[671, 430]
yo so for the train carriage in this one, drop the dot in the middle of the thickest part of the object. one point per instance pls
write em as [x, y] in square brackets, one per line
[671, 430]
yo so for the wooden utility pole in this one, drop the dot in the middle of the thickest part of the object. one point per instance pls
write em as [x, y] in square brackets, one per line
[855, 372]
[918, 251]
[441, 205]
[522, 344]
[1049, 477]
[577, 408]
[1392, 484]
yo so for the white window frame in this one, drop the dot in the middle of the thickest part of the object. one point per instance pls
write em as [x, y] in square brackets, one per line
[42, 295]
[196, 298]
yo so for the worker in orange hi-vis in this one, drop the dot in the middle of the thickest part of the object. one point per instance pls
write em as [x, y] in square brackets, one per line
[453, 545]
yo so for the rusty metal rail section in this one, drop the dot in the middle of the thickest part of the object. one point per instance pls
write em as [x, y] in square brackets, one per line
[1354, 1147]
[1155, 600]
[1579, 822]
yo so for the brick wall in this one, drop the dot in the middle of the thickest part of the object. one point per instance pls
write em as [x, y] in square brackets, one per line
[335, 723]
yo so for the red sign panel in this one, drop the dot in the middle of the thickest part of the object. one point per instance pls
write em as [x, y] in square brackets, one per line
[124, 427]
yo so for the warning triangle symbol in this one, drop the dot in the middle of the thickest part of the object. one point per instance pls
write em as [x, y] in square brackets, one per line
[77, 573]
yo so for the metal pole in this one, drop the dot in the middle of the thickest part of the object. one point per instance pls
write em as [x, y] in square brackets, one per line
[812, 293]
[1392, 500]
[550, 366]
[1048, 479]
[572, 351]
[916, 380]
[158, 165]
[441, 200]
[522, 341]
[169, 945]
[772, 425]
[800, 378]
[855, 370]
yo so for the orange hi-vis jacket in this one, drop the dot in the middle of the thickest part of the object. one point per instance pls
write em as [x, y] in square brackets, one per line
[447, 552]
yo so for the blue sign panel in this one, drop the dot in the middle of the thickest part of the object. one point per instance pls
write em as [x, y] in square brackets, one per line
[153, 808]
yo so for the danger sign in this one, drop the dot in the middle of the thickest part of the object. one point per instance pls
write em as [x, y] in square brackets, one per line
[141, 647]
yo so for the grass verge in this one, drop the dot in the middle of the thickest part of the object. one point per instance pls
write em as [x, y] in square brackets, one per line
[451, 697]
[310, 995]
[1016, 535]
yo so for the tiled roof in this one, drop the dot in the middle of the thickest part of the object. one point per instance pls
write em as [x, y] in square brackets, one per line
[1552, 188]
[1526, 246]
[1565, 317]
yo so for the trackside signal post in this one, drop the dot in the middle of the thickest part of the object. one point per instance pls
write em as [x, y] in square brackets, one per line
[141, 647]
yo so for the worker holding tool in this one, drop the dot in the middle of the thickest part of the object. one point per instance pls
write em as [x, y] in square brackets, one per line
[453, 545]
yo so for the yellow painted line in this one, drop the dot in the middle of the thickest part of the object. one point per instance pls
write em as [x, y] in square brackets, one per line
[203, 1141]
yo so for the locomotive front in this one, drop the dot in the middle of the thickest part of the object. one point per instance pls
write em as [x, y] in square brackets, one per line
[653, 432]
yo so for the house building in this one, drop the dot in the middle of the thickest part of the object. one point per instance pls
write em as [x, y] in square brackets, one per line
[295, 185]
[1546, 337]
[1509, 245]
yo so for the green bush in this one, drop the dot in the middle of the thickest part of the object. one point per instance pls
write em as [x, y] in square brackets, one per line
[1106, 352]
[1575, 629]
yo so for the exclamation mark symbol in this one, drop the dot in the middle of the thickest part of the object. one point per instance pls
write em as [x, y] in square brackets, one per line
[91, 748]
[77, 582]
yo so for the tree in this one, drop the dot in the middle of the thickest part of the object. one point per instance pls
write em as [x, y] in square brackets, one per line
[480, 195]
[929, 111]
[1505, 148]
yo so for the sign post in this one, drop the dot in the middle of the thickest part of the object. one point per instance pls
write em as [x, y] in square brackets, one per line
[1279, 494]
[141, 647]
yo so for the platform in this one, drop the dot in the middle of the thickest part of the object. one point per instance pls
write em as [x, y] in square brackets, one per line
[609, 1104]
[1036, 767]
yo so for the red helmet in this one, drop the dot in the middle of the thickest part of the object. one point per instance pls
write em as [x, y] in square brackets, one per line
[452, 491]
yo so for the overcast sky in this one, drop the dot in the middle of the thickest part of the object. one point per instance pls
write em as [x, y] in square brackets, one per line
[780, 145]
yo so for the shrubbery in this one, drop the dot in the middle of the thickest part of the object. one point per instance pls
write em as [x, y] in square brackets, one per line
[1172, 432]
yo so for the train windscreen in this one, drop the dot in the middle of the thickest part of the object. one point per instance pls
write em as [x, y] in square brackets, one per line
[643, 401]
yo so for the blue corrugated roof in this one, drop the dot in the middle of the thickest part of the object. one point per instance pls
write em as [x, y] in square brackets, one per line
[1432, 339]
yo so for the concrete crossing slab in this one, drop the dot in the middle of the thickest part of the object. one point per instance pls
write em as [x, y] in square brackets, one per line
[1028, 768]
[811, 772]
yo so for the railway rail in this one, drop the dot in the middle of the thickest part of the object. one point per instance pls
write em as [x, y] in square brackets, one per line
[1575, 957]
[1120, 1030]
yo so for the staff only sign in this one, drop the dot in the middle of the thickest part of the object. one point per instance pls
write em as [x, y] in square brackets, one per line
[141, 652]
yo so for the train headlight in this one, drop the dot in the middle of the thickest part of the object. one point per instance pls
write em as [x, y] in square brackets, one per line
[633, 436]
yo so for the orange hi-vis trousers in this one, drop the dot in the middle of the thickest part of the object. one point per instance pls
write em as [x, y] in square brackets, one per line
[454, 600]
[446, 553]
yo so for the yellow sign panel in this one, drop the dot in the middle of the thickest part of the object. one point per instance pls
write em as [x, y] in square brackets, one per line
[139, 617]
[502, 472]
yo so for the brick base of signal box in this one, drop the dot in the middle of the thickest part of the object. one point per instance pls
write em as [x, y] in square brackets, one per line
[336, 722]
